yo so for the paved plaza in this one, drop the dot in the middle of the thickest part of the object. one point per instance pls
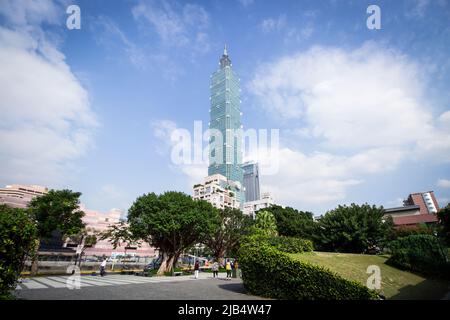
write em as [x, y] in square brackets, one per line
[134, 287]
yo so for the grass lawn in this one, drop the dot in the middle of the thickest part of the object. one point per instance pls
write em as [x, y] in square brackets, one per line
[395, 283]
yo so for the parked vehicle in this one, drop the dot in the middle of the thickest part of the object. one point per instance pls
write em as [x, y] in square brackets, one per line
[155, 264]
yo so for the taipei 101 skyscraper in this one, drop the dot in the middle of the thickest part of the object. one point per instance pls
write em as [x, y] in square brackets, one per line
[225, 158]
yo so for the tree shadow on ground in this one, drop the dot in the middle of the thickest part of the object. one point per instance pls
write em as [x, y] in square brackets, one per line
[429, 289]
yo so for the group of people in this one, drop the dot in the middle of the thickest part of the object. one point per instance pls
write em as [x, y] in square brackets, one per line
[229, 267]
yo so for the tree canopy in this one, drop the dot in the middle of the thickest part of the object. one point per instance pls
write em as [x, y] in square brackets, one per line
[232, 225]
[57, 210]
[265, 224]
[354, 228]
[292, 222]
[119, 234]
[444, 221]
[172, 222]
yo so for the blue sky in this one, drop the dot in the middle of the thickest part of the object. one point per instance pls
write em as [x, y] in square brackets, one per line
[364, 115]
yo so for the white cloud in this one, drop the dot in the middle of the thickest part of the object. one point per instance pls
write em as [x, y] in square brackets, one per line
[270, 24]
[177, 26]
[435, 143]
[163, 130]
[418, 8]
[25, 12]
[364, 109]
[320, 177]
[246, 3]
[289, 33]
[346, 97]
[443, 183]
[47, 119]
[105, 30]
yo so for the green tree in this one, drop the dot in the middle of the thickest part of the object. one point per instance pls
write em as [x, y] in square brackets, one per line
[119, 234]
[18, 240]
[444, 222]
[233, 224]
[171, 222]
[354, 228]
[293, 223]
[56, 211]
[265, 224]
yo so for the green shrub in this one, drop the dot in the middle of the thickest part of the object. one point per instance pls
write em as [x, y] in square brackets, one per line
[353, 229]
[291, 244]
[268, 272]
[420, 253]
[408, 231]
[282, 243]
[18, 238]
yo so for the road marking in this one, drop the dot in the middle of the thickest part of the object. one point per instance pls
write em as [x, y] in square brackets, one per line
[86, 281]
[118, 281]
[31, 284]
[51, 283]
[64, 280]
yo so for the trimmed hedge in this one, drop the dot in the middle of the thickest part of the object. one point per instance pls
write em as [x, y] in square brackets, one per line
[268, 272]
[290, 244]
[420, 253]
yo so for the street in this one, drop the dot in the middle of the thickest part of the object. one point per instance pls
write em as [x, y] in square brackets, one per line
[115, 287]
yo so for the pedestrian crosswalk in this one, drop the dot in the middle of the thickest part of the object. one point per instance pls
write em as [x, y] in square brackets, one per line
[89, 281]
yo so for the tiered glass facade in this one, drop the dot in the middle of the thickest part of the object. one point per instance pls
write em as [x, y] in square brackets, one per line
[225, 155]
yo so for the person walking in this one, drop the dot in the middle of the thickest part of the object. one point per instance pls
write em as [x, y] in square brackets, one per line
[235, 269]
[103, 267]
[228, 268]
[196, 269]
[215, 269]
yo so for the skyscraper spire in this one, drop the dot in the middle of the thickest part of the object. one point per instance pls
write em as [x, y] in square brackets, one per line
[225, 60]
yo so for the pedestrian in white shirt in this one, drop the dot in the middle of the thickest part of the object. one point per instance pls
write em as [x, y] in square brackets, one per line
[103, 267]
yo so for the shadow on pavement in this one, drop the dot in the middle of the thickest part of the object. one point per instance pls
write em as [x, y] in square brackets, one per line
[237, 287]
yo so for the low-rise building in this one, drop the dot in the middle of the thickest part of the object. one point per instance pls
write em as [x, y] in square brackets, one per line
[19, 196]
[251, 207]
[98, 222]
[218, 191]
[418, 208]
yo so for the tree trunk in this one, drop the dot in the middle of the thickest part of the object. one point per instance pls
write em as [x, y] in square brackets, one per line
[34, 266]
[219, 255]
[166, 264]
[35, 259]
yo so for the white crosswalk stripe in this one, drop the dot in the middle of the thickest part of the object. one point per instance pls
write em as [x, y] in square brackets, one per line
[51, 283]
[86, 281]
[31, 284]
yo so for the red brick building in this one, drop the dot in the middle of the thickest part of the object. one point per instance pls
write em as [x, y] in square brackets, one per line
[418, 208]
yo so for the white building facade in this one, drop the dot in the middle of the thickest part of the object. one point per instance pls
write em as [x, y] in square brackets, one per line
[218, 191]
[251, 207]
